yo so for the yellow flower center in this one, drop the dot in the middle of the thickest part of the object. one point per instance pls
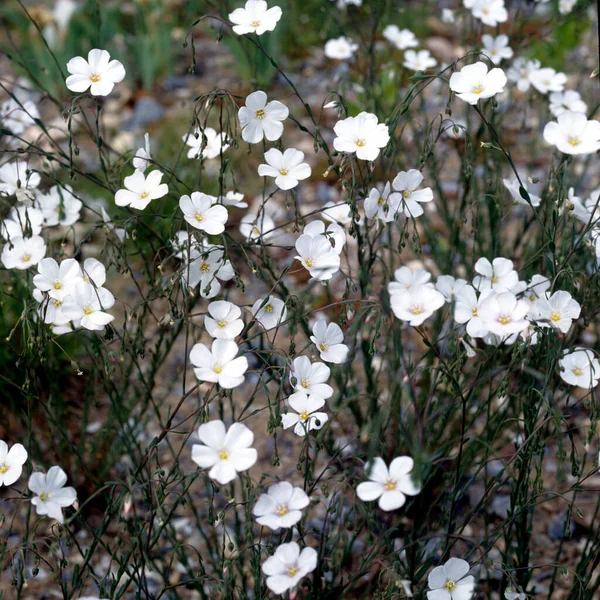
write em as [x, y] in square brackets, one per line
[477, 88]
[305, 383]
[292, 571]
[260, 114]
[57, 284]
[26, 257]
[381, 201]
[56, 302]
[360, 142]
[282, 510]
[475, 313]
[417, 309]
[304, 416]
[494, 280]
[94, 78]
[323, 347]
[255, 24]
[44, 497]
[406, 194]
[3, 468]
[532, 297]
[450, 585]
[309, 262]
[223, 455]
[504, 319]
[205, 267]
[389, 485]
[87, 310]
[283, 172]
[218, 369]
[221, 324]
[574, 141]
[199, 217]
[554, 316]
[269, 308]
[144, 195]
[577, 372]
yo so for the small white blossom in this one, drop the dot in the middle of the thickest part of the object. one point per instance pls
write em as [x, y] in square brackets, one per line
[416, 303]
[141, 189]
[98, 73]
[255, 17]
[50, 493]
[307, 415]
[450, 581]
[87, 303]
[317, 256]
[269, 312]
[200, 212]
[559, 310]
[260, 118]
[329, 341]
[281, 507]
[225, 452]
[547, 80]
[288, 566]
[362, 135]
[389, 486]
[205, 143]
[567, 100]
[580, 367]
[287, 167]
[406, 196]
[473, 82]
[572, 133]
[420, 60]
[402, 39]
[11, 462]
[23, 252]
[224, 321]
[496, 48]
[310, 377]
[219, 364]
[340, 48]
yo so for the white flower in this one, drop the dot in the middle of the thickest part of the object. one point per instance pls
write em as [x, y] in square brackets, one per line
[496, 48]
[141, 190]
[22, 253]
[233, 199]
[448, 15]
[205, 142]
[58, 281]
[17, 179]
[572, 133]
[405, 277]
[98, 73]
[503, 315]
[580, 367]
[269, 312]
[50, 493]
[380, 205]
[520, 71]
[310, 377]
[473, 82]
[409, 198]
[281, 506]
[200, 212]
[225, 452]
[568, 100]
[59, 206]
[219, 364]
[547, 80]
[255, 17]
[391, 485]
[254, 227]
[17, 116]
[490, 12]
[536, 288]
[337, 212]
[419, 60]
[466, 310]
[88, 303]
[50, 310]
[560, 309]
[261, 119]
[449, 287]
[510, 595]
[224, 321]
[11, 462]
[207, 267]
[498, 275]
[317, 256]
[288, 566]
[450, 581]
[329, 341]
[402, 39]
[307, 416]
[287, 167]
[362, 135]
[22, 221]
[513, 186]
[416, 303]
[94, 271]
[334, 233]
[340, 48]
[142, 158]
